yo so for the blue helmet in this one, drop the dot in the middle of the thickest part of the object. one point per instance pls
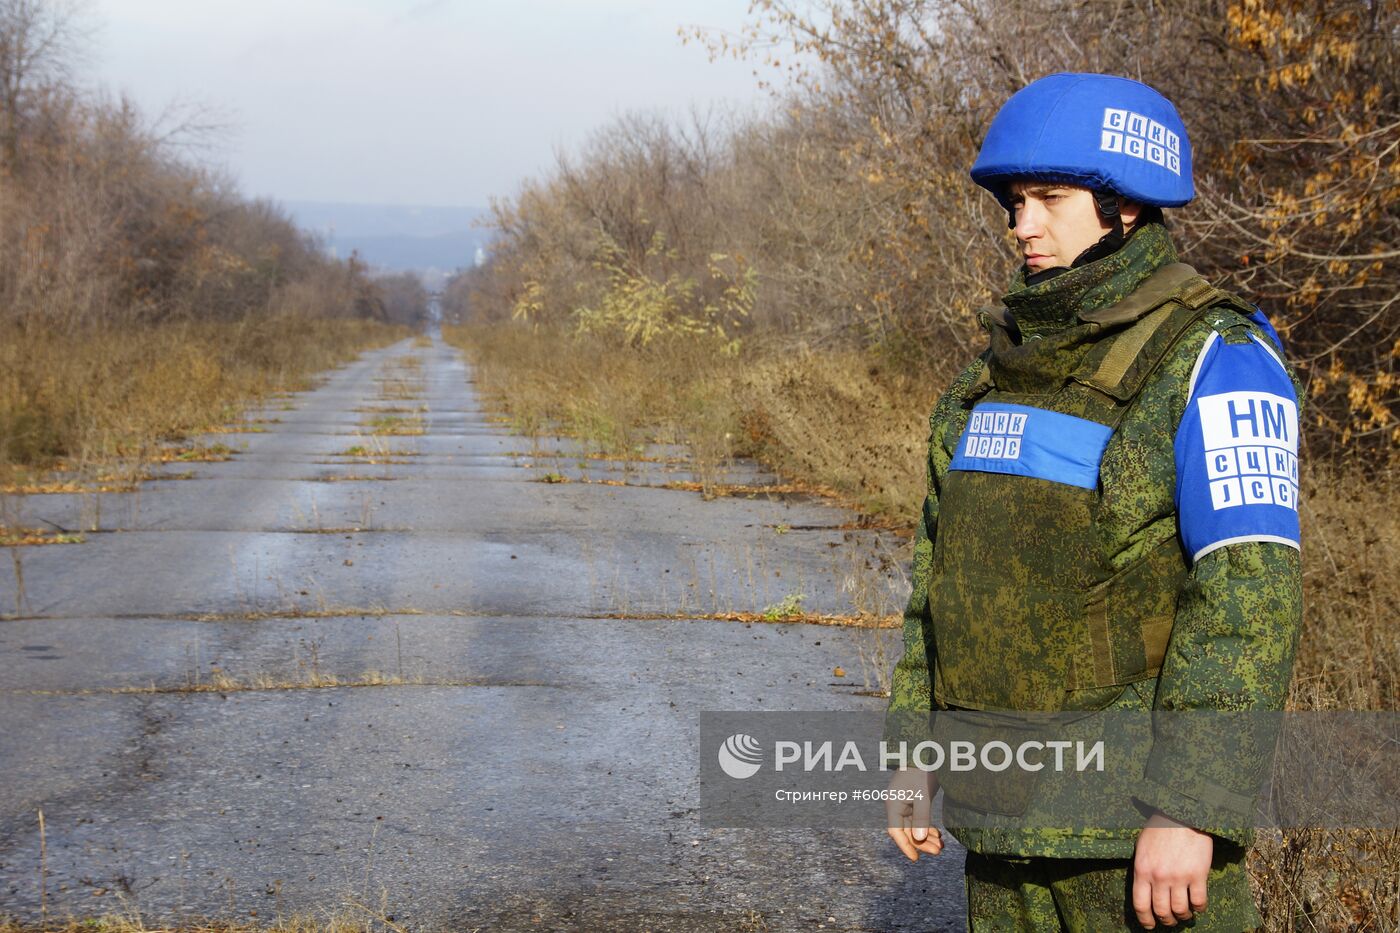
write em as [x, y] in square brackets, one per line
[1103, 132]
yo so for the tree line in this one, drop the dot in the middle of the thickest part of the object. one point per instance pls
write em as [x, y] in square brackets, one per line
[108, 220]
[843, 215]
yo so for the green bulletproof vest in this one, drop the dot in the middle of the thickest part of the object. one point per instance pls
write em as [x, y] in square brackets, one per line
[1029, 612]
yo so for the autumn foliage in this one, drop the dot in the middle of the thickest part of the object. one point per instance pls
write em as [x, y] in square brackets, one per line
[852, 220]
[141, 295]
[110, 217]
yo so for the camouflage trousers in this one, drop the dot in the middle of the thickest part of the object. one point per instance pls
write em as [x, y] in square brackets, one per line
[1037, 894]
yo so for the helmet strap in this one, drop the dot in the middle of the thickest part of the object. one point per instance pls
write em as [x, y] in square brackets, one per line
[1107, 203]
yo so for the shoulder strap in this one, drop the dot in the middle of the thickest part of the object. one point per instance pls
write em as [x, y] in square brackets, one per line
[1158, 288]
[1232, 326]
[1161, 311]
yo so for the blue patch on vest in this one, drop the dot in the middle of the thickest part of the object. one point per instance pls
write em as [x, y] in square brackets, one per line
[1035, 442]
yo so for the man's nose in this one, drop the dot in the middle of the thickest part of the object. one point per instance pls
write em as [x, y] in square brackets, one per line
[1029, 221]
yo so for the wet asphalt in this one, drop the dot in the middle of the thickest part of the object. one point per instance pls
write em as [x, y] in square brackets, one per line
[531, 762]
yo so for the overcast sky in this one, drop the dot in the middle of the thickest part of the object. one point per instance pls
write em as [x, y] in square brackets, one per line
[444, 102]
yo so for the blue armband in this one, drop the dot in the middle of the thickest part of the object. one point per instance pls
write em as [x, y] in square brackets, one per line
[1237, 449]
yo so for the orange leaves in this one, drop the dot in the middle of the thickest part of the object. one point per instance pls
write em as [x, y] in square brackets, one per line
[1316, 214]
[1253, 26]
[1293, 74]
[1307, 295]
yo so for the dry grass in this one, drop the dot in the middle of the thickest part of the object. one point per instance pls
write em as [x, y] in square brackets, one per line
[847, 424]
[393, 424]
[18, 536]
[108, 398]
[774, 614]
[310, 678]
[340, 922]
[354, 915]
[402, 378]
[855, 424]
[576, 392]
[120, 476]
[374, 450]
[189, 453]
[1348, 658]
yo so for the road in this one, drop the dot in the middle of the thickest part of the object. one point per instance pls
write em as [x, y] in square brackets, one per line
[440, 687]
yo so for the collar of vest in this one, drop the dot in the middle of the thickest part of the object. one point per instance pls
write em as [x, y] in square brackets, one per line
[1091, 292]
[1111, 348]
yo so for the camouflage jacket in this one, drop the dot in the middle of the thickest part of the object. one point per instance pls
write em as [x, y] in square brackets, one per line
[1232, 615]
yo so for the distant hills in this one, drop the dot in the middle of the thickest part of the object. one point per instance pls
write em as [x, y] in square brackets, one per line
[434, 240]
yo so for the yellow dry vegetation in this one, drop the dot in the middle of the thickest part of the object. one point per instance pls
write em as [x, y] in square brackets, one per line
[78, 403]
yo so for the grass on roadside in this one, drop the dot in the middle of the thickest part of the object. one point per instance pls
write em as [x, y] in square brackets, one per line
[847, 420]
[354, 917]
[109, 397]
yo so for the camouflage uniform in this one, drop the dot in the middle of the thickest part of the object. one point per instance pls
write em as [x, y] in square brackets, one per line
[1091, 895]
[985, 627]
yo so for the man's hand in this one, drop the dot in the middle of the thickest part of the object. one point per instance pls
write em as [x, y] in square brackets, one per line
[907, 820]
[1169, 871]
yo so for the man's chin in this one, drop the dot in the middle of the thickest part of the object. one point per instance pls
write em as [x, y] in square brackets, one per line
[1036, 276]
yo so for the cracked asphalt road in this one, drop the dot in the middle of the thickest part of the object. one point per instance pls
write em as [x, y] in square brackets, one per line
[530, 764]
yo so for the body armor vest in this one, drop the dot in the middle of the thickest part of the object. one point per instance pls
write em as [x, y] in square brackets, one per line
[1031, 610]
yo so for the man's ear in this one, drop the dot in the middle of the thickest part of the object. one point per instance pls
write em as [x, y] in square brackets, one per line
[1130, 211]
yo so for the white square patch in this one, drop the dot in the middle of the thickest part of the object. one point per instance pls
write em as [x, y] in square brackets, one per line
[1225, 494]
[1135, 135]
[1221, 463]
[1256, 490]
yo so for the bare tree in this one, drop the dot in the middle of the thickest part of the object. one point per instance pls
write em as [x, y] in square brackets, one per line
[40, 43]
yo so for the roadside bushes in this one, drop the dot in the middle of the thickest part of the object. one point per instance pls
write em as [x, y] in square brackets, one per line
[849, 206]
[102, 225]
[93, 397]
[140, 295]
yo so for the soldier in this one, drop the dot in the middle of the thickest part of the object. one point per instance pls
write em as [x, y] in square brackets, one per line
[1111, 523]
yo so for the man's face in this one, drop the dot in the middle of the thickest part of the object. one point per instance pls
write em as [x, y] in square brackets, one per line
[1055, 223]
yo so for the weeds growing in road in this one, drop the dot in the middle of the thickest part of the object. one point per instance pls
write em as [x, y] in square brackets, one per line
[353, 915]
[345, 922]
[788, 607]
[402, 378]
[393, 424]
[221, 682]
[16, 536]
